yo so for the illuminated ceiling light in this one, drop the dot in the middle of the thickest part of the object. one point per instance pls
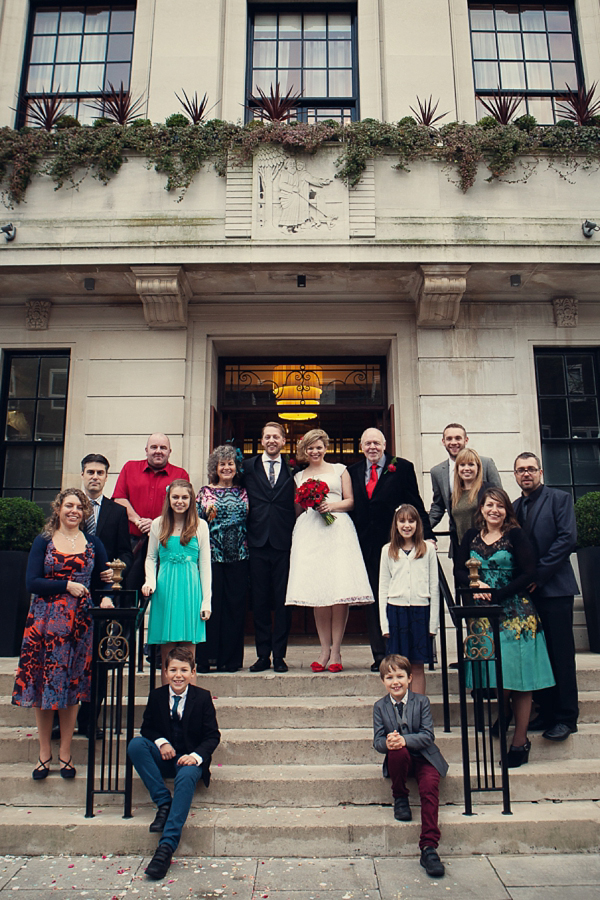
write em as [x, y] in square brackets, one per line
[297, 386]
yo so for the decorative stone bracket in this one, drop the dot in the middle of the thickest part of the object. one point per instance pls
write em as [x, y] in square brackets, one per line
[440, 289]
[37, 314]
[165, 293]
[566, 311]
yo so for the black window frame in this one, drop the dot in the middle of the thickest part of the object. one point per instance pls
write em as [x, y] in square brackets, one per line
[306, 103]
[28, 491]
[571, 442]
[528, 93]
[75, 98]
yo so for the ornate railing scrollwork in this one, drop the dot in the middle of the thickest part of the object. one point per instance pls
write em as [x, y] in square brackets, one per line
[114, 646]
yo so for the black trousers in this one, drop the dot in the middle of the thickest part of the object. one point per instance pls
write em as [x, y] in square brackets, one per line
[225, 628]
[269, 570]
[373, 621]
[558, 704]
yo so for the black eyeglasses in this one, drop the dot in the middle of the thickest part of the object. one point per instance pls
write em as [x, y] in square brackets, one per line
[530, 470]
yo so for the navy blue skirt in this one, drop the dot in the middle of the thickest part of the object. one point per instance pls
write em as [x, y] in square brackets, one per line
[409, 632]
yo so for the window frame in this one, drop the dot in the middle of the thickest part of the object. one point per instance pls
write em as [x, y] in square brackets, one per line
[306, 103]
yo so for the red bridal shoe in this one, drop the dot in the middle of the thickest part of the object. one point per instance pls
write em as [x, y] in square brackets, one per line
[317, 667]
[336, 667]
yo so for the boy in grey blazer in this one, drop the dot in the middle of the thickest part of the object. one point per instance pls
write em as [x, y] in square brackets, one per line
[403, 730]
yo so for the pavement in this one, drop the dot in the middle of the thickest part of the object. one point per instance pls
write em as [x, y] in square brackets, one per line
[539, 877]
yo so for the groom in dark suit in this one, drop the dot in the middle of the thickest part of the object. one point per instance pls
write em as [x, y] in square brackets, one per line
[380, 484]
[270, 487]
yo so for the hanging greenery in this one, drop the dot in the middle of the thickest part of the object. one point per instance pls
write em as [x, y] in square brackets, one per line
[67, 155]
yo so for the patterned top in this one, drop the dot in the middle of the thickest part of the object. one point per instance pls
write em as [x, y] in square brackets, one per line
[226, 511]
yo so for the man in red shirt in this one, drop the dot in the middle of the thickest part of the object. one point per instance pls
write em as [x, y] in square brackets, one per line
[141, 489]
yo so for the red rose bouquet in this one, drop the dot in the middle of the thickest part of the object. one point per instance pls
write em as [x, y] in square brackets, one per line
[311, 494]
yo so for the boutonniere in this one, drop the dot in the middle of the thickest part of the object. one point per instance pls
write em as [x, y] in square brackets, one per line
[391, 466]
[289, 461]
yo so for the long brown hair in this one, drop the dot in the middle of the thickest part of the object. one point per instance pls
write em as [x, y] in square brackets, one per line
[53, 523]
[167, 518]
[502, 497]
[466, 456]
[410, 514]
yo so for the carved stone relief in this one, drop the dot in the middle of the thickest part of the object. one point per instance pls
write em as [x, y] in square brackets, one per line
[164, 292]
[37, 314]
[439, 292]
[565, 312]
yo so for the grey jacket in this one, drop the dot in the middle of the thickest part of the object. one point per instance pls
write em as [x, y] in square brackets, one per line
[419, 734]
[442, 489]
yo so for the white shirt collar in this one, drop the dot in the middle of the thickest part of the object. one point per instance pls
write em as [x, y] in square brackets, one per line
[268, 459]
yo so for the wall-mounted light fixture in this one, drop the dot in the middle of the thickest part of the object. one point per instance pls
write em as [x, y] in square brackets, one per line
[9, 231]
[89, 284]
[301, 281]
[589, 228]
[515, 281]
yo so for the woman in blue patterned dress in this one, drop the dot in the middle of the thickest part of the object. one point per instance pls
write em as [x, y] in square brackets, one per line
[224, 505]
[55, 668]
[507, 563]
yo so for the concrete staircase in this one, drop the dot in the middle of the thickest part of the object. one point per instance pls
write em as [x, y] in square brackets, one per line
[296, 775]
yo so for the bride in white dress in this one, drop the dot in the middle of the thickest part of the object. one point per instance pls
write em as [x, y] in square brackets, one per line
[327, 570]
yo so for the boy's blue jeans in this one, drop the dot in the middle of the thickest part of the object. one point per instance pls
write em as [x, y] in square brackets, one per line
[153, 770]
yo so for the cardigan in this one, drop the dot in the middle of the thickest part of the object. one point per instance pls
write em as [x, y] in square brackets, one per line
[408, 581]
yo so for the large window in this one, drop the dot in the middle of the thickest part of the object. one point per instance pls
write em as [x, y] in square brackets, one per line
[34, 397]
[524, 48]
[77, 51]
[567, 385]
[313, 52]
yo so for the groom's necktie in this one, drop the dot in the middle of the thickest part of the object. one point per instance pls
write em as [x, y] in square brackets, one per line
[271, 473]
[372, 482]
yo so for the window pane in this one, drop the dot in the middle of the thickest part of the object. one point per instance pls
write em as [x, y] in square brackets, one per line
[65, 79]
[512, 76]
[96, 20]
[117, 73]
[265, 26]
[50, 420]
[509, 46]
[94, 48]
[315, 83]
[119, 47]
[39, 79]
[315, 26]
[91, 79]
[554, 419]
[122, 19]
[538, 77]
[68, 48]
[290, 54]
[536, 46]
[558, 19]
[532, 18]
[556, 464]
[46, 22]
[48, 467]
[42, 49]
[44, 499]
[23, 377]
[340, 83]
[339, 25]
[264, 79]
[584, 418]
[561, 46]
[19, 420]
[486, 75]
[71, 21]
[507, 18]
[315, 54]
[290, 79]
[290, 26]
[18, 468]
[484, 45]
[340, 54]
[580, 375]
[551, 375]
[53, 376]
[482, 16]
[265, 54]
[564, 74]
[586, 463]
[541, 108]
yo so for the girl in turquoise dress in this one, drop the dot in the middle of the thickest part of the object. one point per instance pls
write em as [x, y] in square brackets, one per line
[507, 564]
[179, 546]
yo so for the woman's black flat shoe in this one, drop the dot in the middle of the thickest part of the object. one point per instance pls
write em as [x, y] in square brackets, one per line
[66, 769]
[518, 756]
[42, 770]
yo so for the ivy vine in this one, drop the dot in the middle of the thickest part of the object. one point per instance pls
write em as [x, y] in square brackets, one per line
[68, 155]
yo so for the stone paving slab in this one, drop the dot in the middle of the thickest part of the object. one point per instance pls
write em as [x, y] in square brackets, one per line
[312, 874]
[66, 873]
[557, 869]
[9, 866]
[470, 878]
[575, 892]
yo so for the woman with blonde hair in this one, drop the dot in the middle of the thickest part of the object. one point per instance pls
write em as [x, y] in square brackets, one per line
[327, 571]
[181, 598]
[467, 489]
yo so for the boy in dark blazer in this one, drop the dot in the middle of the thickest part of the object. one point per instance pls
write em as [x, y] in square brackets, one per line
[403, 730]
[179, 734]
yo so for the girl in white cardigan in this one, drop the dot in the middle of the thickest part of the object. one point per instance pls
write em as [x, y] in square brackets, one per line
[409, 596]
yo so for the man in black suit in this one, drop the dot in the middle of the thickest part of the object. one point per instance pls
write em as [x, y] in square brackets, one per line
[380, 484]
[179, 734]
[270, 486]
[547, 516]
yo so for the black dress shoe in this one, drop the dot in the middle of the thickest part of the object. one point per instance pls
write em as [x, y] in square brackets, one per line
[376, 664]
[261, 665]
[279, 664]
[160, 819]
[159, 865]
[402, 809]
[432, 863]
[539, 724]
[559, 732]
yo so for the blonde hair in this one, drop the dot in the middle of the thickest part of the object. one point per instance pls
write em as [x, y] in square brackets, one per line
[167, 518]
[53, 522]
[467, 456]
[311, 437]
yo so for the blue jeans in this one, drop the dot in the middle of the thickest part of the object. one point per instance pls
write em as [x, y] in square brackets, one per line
[153, 770]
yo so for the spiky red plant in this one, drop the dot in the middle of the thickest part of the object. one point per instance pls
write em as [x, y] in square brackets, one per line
[118, 105]
[195, 109]
[46, 110]
[502, 106]
[426, 112]
[579, 105]
[276, 108]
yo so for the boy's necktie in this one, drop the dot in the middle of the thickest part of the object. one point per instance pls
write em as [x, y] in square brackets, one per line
[174, 713]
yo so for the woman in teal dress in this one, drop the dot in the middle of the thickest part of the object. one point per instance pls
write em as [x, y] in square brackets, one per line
[507, 565]
[179, 546]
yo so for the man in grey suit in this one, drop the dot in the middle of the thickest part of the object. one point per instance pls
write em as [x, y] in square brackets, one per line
[547, 516]
[454, 439]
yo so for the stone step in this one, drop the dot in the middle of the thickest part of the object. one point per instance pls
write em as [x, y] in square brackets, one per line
[309, 786]
[544, 827]
[310, 746]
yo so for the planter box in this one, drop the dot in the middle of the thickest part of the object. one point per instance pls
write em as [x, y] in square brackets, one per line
[589, 572]
[14, 600]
